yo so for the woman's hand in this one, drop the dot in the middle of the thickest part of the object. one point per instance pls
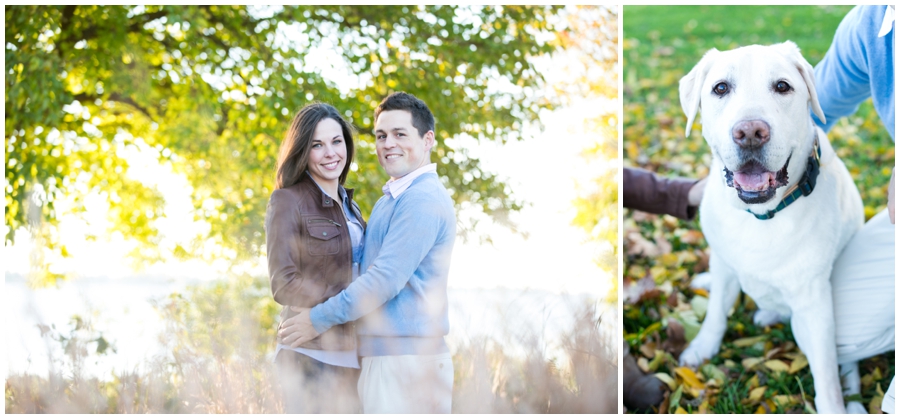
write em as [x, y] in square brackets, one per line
[297, 330]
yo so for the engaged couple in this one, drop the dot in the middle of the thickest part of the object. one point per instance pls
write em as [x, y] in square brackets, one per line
[352, 291]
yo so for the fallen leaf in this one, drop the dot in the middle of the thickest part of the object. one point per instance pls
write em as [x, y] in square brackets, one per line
[866, 381]
[753, 382]
[666, 378]
[692, 237]
[658, 358]
[648, 349]
[675, 341]
[756, 394]
[661, 242]
[714, 373]
[690, 323]
[642, 364]
[798, 364]
[699, 305]
[670, 260]
[777, 365]
[689, 377]
[875, 403]
[785, 400]
[635, 244]
[680, 410]
[704, 407]
[749, 363]
[745, 342]
[672, 299]
[635, 291]
[701, 291]
[675, 398]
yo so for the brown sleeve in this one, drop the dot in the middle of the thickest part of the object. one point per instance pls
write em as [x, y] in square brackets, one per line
[645, 191]
[284, 245]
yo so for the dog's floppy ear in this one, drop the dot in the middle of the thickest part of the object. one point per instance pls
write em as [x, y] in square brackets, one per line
[691, 85]
[791, 51]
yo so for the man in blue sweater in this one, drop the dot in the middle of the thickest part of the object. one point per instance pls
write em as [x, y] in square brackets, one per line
[400, 297]
[859, 65]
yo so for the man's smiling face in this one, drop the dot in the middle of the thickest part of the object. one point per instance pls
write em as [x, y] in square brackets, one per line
[400, 148]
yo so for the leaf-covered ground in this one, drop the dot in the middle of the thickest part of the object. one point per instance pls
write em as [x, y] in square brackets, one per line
[758, 369]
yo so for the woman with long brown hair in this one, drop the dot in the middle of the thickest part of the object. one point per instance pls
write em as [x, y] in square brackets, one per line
[314, 239]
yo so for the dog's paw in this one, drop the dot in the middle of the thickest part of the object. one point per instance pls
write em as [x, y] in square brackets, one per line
[856, 408]
[702, 281]
[698, 351]
[766, 318]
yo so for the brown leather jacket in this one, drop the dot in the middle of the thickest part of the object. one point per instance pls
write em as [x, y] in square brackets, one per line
[310, 254]
[646, 191]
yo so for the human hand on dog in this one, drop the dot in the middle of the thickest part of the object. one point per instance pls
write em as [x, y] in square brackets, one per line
[695, 194]
[297, 330]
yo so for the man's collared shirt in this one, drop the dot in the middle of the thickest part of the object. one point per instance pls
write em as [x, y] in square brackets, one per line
[396, 187]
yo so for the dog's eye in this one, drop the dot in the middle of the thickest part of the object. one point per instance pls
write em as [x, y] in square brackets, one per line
[721, 89]
[783, 87]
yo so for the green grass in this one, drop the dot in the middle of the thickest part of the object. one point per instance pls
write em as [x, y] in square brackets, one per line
[660, 45]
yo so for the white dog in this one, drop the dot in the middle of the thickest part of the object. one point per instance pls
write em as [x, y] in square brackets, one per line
[779, 205]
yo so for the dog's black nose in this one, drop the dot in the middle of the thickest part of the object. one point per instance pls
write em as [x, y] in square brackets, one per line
[750, 134]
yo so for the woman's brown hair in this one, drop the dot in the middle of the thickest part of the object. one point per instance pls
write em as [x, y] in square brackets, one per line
[293, 157]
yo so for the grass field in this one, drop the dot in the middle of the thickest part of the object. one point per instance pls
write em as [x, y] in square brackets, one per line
[757, 369]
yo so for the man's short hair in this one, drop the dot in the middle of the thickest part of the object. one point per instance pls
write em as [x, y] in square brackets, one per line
[422, 118]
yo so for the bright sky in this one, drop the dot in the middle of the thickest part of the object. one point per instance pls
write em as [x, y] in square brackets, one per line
[542, 171]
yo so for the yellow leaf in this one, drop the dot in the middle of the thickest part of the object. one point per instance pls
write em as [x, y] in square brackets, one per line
[642, 364]
[670, 259]
[689, 377]
[701, 291]
[749, 363]
[777, 365]
[785, 400]
[798, 364]
[875, 403]
[760, 410]
[756, 394]
[704, 407]
[666, 378]
[744, 342]
[680, 411]
[693, 392]
[753, 382]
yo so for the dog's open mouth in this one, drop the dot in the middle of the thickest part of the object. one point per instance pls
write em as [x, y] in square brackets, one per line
[754, 183]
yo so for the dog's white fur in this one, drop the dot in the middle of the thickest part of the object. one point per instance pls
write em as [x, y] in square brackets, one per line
[783, 263]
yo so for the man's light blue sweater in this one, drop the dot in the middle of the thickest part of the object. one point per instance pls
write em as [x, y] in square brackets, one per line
[858, 65]
[400, 296]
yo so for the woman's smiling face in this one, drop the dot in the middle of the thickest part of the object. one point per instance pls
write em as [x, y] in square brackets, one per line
[328, 152]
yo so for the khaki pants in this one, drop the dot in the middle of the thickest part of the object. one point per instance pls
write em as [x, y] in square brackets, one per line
[406, 384]
[862, 284]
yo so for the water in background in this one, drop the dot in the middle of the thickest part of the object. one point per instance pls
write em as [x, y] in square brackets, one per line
[122, 310]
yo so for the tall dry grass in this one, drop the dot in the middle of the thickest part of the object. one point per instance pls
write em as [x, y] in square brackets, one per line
[218, 341]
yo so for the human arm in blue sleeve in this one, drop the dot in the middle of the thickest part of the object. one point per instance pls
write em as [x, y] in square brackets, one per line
[415, 226]
[842, 77]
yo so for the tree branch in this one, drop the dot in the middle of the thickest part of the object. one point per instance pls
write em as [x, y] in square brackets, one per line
[115, 97]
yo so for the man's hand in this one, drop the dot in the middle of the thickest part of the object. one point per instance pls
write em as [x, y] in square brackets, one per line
[891, 198]
[297, 330]
[695, 194]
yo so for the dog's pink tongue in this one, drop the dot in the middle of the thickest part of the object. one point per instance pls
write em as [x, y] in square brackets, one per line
[754, 180]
